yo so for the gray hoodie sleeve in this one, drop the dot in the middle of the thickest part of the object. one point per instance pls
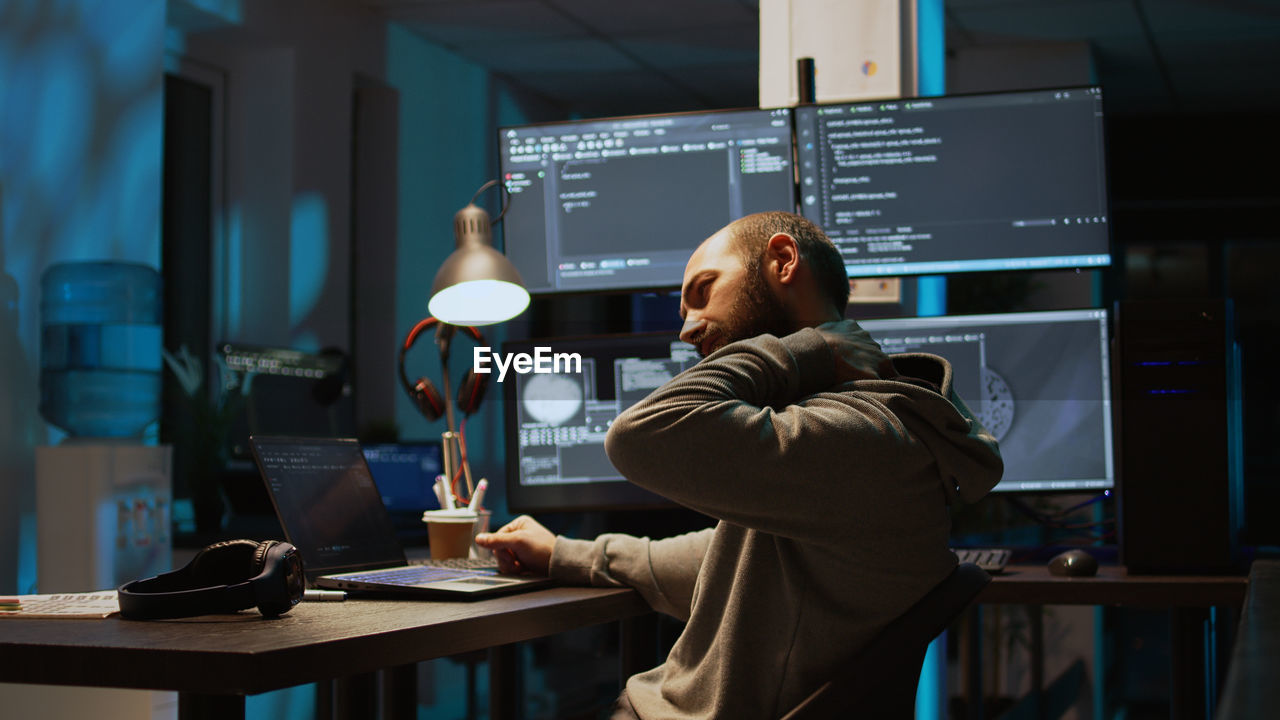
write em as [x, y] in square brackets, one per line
[748, 436]
[663, 571]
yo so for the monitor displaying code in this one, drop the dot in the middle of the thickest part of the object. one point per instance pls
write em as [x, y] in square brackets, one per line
[620, 203]
[1005, 181]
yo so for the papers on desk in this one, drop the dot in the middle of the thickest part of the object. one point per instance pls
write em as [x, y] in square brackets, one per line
[61, 605]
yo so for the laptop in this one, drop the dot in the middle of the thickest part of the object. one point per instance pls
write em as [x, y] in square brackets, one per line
[330, 509]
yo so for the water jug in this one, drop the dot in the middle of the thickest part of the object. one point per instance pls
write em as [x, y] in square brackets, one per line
[100, 354]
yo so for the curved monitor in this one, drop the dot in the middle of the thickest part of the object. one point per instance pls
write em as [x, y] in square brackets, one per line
[999, 181]
[620, 203]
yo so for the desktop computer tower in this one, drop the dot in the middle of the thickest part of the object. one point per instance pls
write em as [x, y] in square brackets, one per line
[1179, 446]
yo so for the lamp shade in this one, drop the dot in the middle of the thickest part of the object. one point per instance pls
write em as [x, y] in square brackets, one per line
[476, 285]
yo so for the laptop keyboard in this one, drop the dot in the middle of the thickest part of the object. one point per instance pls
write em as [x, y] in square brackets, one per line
[417, 574]
[461, 563]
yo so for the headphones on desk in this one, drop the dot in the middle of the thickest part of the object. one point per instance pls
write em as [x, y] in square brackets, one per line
[225, 577]
[424, 395]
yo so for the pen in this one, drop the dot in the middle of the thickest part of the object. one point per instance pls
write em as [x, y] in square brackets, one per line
[478, 497]
[438, 489]
[447, 491]
[325, 595]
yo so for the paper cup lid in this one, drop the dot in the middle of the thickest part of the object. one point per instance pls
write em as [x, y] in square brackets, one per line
[454, 516]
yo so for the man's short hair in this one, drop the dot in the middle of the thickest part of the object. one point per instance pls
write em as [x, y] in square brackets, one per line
[751, 234]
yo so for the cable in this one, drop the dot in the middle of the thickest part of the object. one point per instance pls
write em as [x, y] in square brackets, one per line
[504, 194]
[1056, 520]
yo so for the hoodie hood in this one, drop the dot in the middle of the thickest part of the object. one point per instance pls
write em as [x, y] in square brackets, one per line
[968, 456]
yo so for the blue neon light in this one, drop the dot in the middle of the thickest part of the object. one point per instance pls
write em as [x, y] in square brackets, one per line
[931, 36]
[931, 301]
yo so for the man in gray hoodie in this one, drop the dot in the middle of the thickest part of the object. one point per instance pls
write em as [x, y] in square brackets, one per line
[829, 465]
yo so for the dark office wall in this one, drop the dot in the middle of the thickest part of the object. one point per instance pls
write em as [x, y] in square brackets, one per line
[80, 143]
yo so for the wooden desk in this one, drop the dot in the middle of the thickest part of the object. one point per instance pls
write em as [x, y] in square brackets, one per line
[1188, 599]
[214, 661]
[1034, 585]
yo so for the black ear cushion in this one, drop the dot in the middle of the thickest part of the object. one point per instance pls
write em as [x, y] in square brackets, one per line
[260, 557]
[430, 404]
[227, 563]
[471, 391]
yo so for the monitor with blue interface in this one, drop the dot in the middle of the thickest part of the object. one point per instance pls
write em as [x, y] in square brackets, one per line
[1039, 381]
[404, 473]
[1002, 181]
[619, 203]
[556, 423]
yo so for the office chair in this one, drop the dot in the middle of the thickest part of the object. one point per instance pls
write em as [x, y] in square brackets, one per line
[880, 680]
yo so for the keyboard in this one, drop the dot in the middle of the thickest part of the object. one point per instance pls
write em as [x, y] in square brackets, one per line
[461, 563]
[418, 574]
[993, 560]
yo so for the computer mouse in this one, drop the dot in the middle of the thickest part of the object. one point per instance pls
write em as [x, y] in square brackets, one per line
[1074, 563]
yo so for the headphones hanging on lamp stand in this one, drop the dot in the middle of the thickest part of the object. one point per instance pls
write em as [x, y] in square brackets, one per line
[426, 398]
[432, 403]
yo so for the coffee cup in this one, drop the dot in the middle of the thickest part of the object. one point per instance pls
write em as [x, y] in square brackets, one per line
[449, 532]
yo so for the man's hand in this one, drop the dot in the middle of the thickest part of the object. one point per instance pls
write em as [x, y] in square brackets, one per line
[522, 546]
[858, 357]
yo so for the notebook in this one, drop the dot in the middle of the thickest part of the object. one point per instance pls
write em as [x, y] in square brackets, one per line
[330, 508]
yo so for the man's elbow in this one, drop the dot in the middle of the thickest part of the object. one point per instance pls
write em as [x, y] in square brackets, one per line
[617, 442]
[627, 447]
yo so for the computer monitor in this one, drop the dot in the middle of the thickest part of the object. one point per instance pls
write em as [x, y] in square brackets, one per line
[1039, 381]
[556, 423]
[405, 473]
[1003, 181]
[619, 203]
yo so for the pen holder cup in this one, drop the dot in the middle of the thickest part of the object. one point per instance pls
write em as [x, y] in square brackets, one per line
[481, 526]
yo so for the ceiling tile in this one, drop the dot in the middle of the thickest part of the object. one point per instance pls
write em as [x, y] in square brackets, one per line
[691, 48]
[585, 55]
[1249, 50]
[609, 57]
[729, 85]
[1050, 21]
[1222, 16]
[482, 24]
[620, 19]
[601, 94]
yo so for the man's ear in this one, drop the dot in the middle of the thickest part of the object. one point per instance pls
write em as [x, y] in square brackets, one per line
[782, 255]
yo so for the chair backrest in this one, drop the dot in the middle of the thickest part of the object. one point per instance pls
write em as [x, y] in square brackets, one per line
[880, 680]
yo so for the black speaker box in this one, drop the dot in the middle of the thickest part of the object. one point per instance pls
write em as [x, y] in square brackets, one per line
[1179, 441]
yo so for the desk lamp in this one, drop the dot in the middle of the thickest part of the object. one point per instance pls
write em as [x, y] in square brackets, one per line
[476, 285]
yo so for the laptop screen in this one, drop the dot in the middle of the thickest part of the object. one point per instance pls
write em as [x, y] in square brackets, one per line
[327, 503]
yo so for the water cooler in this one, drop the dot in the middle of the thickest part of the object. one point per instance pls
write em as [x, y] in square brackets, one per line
[103, 496]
